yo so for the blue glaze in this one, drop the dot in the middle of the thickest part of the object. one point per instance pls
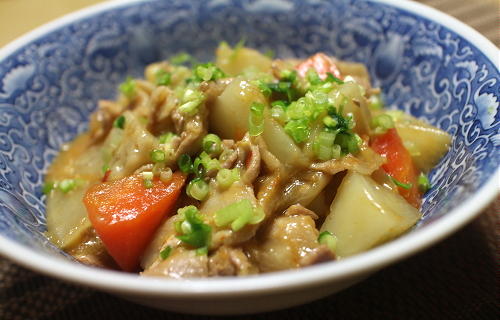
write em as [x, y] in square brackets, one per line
[49, 87]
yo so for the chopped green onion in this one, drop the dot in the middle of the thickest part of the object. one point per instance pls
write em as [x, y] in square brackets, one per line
[212, 144]
[185, 163]
[256, 119]
[203, 164]
[330, 122]
[191, 99]
[288, 75]
[147, 177]
[423, 183]
[128, 87]
[189, 107]
[349, 142]
[298, 130]
[238, 215]
[197, 189]
[328, 239]
[264, 88]
[278, 113]
[313, 77]
[119, 122]
[166, 175]
[67, 185]
[181, 58]
[406, 186]
[226, 177]
[375, 102]
[207, 72]
[48, 187]
[331, 78]
[165, 253]
[197, 234]
[166, 137]
[163, 78]
[202, 251]
[158, 155]
[323, 145]
[382, 123]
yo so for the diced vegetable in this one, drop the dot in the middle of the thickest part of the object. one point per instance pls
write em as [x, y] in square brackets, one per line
[365, 214]
[233, 62]
[426, 143]
[67, 221]
[125, 214]
[234, 103]
[399, 164]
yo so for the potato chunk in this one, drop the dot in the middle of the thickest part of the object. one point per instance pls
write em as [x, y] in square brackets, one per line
[426, 143]
[365, 214]
[234, 61]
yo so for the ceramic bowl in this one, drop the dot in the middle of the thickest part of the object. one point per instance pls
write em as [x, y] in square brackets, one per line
[426, 63]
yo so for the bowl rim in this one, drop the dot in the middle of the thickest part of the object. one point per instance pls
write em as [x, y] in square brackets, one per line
[370, 261]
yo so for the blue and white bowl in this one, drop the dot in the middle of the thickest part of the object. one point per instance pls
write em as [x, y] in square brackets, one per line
[426, 63]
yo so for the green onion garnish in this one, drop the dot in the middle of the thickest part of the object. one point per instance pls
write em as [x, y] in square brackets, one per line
[197, 189]
[119, 122]
[67, 185]
[375, 102]
[226, 177]
[382, 123]
[191, 99]
[48, 187]
[403, 185]
[331, 78]
[207, 72]
[163, 78]
[238, 215]
[323, 146]
[128, 87]
[212, 144]
[328, 239]
[185, 163]
[181, 58]
[202, 251]
[298, 130]
[423, 183]
[157, 155]
[193, 231]
[165, 253]
[166, 137]
[264, 88]
[256, 119]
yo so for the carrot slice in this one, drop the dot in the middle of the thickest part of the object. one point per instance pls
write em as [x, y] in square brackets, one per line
[320, 62]
[399, 164]
[125, 214]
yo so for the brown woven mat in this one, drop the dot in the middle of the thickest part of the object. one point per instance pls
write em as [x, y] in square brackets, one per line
[456, 279]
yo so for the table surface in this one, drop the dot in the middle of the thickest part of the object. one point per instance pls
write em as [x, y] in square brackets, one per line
[456, 279]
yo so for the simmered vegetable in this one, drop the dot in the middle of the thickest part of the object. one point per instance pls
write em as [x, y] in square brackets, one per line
[365, 214]
[125, 214]
[242, 166]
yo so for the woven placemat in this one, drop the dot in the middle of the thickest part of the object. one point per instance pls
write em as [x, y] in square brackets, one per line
[456, 279]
